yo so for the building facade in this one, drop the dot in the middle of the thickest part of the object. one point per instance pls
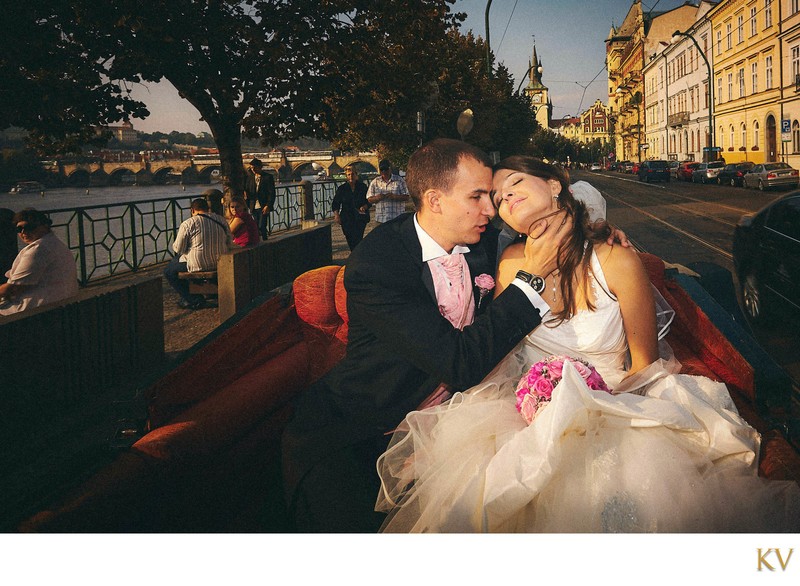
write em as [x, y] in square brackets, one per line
[538, 93]
[628, 48]
[677, 94]
[747, 79]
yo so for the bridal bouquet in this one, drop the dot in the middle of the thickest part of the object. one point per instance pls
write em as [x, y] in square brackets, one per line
[535, 388]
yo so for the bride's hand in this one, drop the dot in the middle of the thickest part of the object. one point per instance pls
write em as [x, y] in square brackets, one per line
[542, 244]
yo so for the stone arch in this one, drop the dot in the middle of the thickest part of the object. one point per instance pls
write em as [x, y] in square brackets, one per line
[79, 178]
[99, 178]
[161, 176]
[122, 176]
[210, 174]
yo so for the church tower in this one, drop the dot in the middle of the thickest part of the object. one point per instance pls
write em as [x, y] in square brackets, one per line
[537, 93]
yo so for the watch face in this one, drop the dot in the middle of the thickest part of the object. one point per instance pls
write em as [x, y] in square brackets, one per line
[537, 283]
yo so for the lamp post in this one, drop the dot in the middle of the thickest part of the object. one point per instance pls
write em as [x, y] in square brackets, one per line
[710, 89]
[636, 100]
[488, 45]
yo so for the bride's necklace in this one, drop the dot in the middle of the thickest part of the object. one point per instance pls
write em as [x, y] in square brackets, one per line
[555, 284]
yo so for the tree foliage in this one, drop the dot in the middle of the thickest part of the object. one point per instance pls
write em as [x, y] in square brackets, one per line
[352, 71]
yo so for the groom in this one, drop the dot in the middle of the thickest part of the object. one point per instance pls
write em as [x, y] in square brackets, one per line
[401, 348]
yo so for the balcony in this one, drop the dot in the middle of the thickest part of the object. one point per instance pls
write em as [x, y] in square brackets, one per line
[678, 119]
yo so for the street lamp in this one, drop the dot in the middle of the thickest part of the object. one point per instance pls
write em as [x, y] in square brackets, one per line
[488, 46]
[636, 100]
[710, 89]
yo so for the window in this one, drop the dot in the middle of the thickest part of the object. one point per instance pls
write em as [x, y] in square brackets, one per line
[795, 137]
[730, 86]
[705, 92]
[743, 131]
[768, 71]
[756, 137]
[767, 13]
[728, 36]
[741, 82]
[740, 29]
[754, 76]
[795, 62]
[721, 137]
[731, 133]
[794, 6]
[753, 27]
[719, 42]
[785, 218]
[719, 90]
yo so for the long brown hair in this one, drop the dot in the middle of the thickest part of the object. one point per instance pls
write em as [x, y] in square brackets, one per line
[575, 252]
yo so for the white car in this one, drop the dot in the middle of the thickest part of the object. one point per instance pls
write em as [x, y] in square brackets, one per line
[596, 167]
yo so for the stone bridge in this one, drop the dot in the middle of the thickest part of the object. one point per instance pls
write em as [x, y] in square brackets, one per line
[147, 170]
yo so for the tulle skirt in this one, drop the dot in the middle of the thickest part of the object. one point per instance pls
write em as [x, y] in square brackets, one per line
[670, 454]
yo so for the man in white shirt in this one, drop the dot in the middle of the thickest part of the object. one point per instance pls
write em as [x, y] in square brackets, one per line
[388, 193]
[43, 272]
[200, 241]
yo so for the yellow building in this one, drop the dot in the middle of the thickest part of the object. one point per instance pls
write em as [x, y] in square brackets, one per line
[790, 81]
[640, 35]
[746, 45]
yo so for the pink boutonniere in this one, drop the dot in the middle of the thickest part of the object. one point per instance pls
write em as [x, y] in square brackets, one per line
[484, 283]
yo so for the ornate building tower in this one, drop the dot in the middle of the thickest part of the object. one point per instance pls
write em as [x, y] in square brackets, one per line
[537, 93]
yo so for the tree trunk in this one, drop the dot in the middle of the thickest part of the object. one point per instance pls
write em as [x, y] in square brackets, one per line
[228, 136]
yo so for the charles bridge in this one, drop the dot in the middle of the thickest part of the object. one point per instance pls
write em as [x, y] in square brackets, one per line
[148, 168]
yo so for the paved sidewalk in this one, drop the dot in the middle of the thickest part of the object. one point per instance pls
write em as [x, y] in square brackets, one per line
[183, 328]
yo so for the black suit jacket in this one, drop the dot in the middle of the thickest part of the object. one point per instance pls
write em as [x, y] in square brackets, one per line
[399, 347]
[265, 194]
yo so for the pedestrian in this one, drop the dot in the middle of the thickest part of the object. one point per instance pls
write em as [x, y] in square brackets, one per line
[259, 193]
[43, 272]
[388, 193]
[200, 241]
[351, 208]
[242, 224]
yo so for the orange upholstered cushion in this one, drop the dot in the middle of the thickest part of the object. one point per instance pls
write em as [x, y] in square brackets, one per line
[314, 298]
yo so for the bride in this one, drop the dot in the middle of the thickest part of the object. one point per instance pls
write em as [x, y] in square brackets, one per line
[663, 452]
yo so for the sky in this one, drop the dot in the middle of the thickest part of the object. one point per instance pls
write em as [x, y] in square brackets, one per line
[570, 42]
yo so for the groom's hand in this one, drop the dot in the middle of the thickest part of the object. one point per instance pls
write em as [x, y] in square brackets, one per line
[543, 242]
[617, 236]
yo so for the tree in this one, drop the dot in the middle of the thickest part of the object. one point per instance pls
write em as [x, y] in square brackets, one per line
[270, 68]
[48, 86]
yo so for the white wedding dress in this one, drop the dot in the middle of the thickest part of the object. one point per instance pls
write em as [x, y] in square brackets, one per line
[664, 453]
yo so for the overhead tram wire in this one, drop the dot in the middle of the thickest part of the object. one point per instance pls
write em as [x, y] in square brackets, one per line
[510, 16]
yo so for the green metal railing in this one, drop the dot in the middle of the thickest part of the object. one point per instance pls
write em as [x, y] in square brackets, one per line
[112, 239]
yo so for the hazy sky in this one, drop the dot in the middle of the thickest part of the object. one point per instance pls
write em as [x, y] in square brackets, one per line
[569, 36]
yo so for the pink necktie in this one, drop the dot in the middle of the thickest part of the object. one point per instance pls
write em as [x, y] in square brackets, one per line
[453, 294]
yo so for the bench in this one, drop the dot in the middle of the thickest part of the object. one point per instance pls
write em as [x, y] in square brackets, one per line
[201, 282]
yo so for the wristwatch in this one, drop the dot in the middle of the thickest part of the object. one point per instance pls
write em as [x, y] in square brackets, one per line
[534, 281]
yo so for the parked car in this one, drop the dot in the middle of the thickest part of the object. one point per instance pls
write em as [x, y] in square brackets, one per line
[685, 169]
[707, 172]
[625, 166]
[654, 171]
[596, 167]
[766, 259]
[673, 168]
[771, 175]
[733, 174]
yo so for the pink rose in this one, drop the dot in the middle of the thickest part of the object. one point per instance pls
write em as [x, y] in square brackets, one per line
[484, 282]
[543, 388]
[555, 369]
[582, 369]
[596, 382]
[528, 408]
